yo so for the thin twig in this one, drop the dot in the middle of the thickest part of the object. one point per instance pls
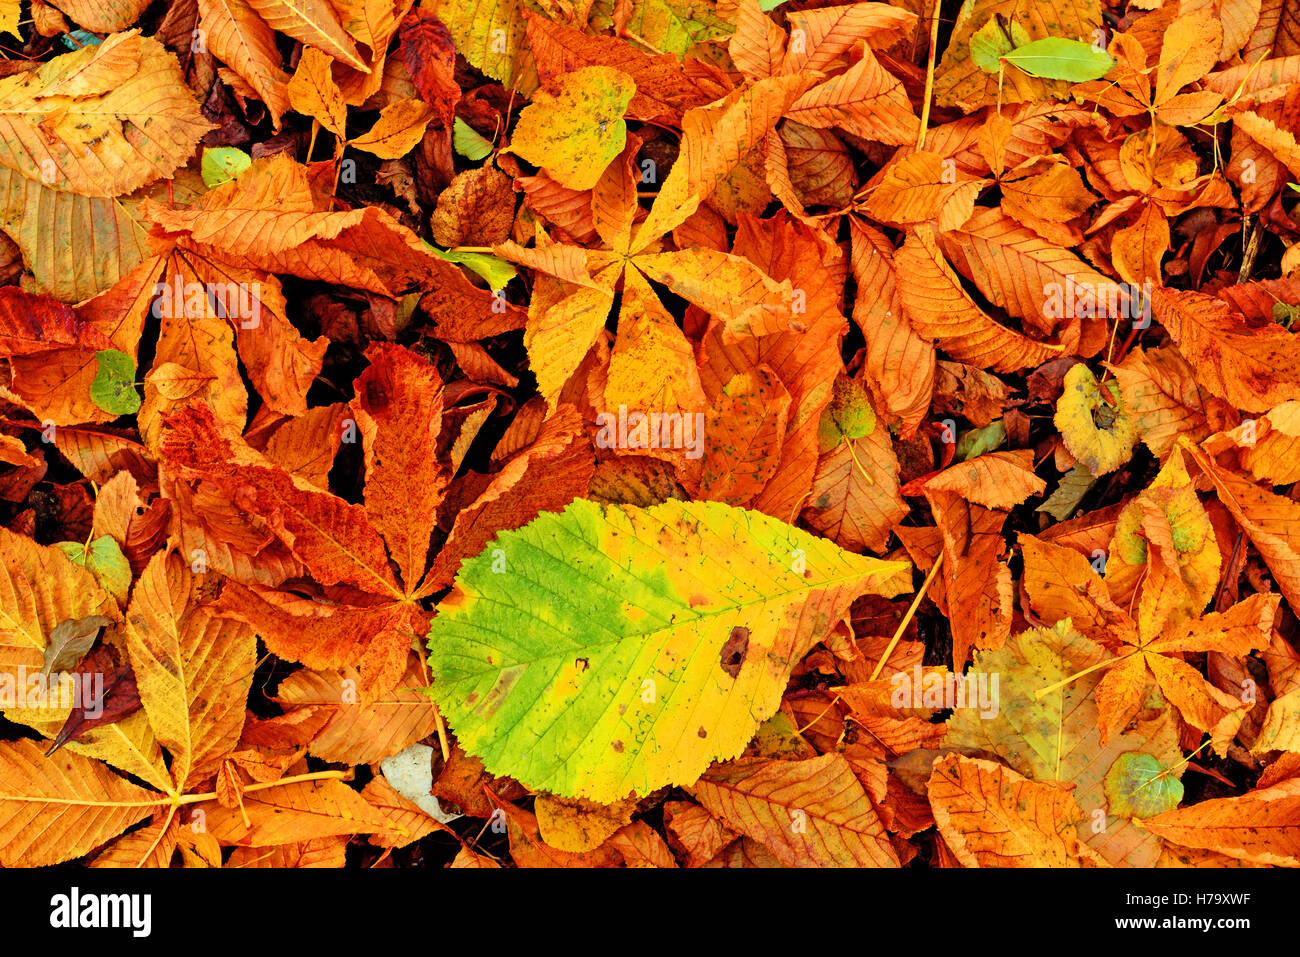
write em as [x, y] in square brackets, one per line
[911, 612]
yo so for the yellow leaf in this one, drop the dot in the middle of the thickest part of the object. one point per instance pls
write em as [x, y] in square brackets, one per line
[811, 813]
[865, 100]
[574, 128]
[715, 138]
[652, 367]
[313, 92]
[292, 812]
[238, 37]
[54, 809]
[314, 23]
[357, 733]
[939, 309]
[1259, 826]
[574, 825]
[995, 480]
[1094, 422]
[194, 670]
[1162, 397]
[150, 846]
[102, 121]
[10, 12]
[729, 287]
[102, 16]
[918, 188]
[398, 130]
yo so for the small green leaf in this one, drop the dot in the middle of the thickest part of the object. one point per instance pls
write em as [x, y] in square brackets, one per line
[1074, 485]
[113, 388]
[467, 141]
[104, 558]
[221, 164]
[990, 43]
[1137, 786]
[1285, 313]
[495, 270]
[848, 415]
[981, 441]
[1056, 58]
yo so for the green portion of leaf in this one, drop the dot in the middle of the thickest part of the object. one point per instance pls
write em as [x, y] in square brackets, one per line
[615, 649]
[113, 388]
[670, 26]
[467, 142]
[221, 164]
[1137, 785]
[495, 270]
[981, 441]
[1069, 493]
[848, 415]
[104, 558]
[1055, 738]
[1056, 58]
[990, 43]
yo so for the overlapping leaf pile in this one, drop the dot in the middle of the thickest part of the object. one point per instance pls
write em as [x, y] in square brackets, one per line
[725, 433]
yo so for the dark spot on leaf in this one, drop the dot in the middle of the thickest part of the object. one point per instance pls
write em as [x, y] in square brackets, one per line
[733, 652]
[376, 395]
[617, 746]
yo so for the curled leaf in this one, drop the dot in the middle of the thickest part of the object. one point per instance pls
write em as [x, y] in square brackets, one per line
[1094, 422]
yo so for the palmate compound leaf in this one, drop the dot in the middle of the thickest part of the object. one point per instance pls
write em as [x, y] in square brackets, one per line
[1055, 739]
[609, 650]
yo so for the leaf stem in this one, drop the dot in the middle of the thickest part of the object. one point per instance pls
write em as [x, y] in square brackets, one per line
[929, 76]
[265, 785]
[911, 613]
[848, 444]
[1043, 692]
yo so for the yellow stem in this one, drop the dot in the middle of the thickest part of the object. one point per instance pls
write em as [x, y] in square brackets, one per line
[911, 613]
[1174, 767]
[819, 717]
[929, 75]
[853, 455]
[171, 813]
[292, 779]
[627, 34]
[1043, 692]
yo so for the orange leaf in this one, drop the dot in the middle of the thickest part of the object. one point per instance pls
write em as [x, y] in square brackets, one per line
[939, 309]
